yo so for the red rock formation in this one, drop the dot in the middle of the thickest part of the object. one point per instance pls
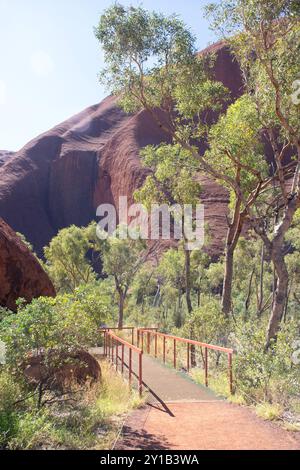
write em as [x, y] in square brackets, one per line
[21, 275]
[62, 176]
[4, 155]
[77, 367]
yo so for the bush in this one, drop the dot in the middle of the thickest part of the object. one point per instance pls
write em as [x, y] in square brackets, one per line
[53, 329]
[265, 375]
[269, 411]
[10, 392]
[208, 324]
[92, 422]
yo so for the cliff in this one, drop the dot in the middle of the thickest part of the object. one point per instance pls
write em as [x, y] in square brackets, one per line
[61, 177]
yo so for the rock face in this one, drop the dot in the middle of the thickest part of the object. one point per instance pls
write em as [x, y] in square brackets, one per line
[4, 155]
[21, 275]
[61, 177]
[78, 367]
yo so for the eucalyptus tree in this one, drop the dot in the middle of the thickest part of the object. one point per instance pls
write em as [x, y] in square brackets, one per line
[123, 257]
[171, 270]
[265, 37]
[152, 64]
[67, 259]
[172, 181]
[236, 150]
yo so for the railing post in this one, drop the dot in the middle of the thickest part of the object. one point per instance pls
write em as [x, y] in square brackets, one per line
[230, 373]
[104, 342]
[164, 349]
[132, 336]
[140, 373]
[138, 338]
[130, 365]
[155, 345]
[148, 342]
[206, 366]
[188, 357]
[142, 334]
[117, 355]
[175, 354]
[122, 358]
[112, 351]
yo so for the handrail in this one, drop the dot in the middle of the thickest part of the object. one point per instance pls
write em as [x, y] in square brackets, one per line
[189, 342]
[132, 328]
[138, 330]
[112, 343]
[126, 343]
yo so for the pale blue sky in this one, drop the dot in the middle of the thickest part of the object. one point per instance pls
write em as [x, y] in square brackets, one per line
[49, 60]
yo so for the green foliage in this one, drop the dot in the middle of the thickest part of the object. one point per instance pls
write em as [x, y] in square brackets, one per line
[10, 392]
[68, 322]
[172, 178]
[137, 45]
[264, 36]
[122, 259]
[4, 312]
[265, 375]
[269, 411]
[171, 268]
[152, 62]
[208, 324]
[235, 145]
[41, 328]
[52, 329]
[67, 257]
[92, 421]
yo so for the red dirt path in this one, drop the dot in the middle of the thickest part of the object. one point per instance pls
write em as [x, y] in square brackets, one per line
[203, 426]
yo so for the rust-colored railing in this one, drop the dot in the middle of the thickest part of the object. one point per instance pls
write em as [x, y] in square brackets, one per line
[153, 334]
[120, 353]
[138, 333]
[123, 328]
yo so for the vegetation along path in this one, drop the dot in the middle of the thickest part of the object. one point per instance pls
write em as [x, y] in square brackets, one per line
[180, 414]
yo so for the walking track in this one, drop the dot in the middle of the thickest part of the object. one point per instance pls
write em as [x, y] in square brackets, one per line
[182, 415]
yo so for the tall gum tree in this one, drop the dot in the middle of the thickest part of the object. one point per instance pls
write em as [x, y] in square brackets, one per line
[152, 64]
[265, 37]
[173, 182]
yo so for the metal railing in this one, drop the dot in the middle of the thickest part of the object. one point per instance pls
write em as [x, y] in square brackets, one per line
[123, 328]
[120, 353]
[138, 333]
[153, 334]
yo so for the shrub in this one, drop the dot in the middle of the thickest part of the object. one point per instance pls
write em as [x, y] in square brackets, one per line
[10, 392]
[265, 375]
[269, 411]
[207, 323]
[53, 329]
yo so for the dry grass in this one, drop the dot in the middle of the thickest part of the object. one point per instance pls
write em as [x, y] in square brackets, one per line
[269, 411]
[93, 422]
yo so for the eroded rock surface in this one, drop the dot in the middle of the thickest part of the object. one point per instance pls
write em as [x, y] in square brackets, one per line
[21, 275]
[61, 177]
